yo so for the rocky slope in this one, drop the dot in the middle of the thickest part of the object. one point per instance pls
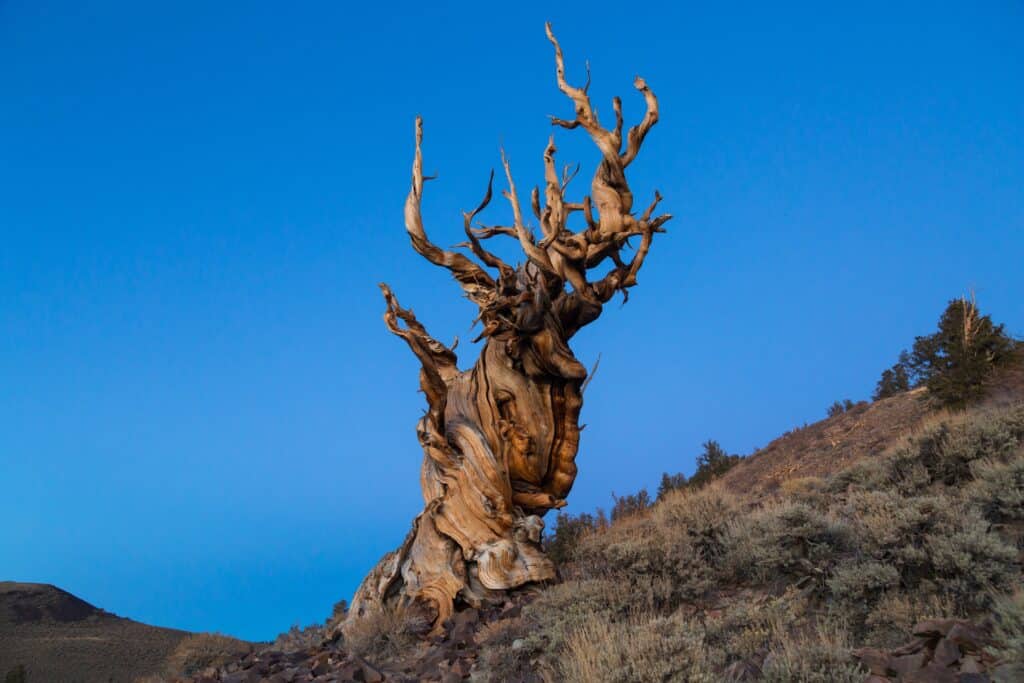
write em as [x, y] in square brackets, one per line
[878, 546]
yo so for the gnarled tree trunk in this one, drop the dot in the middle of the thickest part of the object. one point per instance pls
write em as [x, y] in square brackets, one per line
[500, 439]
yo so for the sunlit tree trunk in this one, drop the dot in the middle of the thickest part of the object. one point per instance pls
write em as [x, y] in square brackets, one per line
[500, 438]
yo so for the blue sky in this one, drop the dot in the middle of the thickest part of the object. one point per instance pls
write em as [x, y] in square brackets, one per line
[203, 421]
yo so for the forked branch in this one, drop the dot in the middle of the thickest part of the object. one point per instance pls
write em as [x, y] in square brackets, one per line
[475, 281]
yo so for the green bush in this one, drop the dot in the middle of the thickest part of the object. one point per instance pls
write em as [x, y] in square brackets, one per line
[641, 649]
[861, 584]
[784, 540]
[969, 561]
[998, 489]
[1008, 632]
[823, 657]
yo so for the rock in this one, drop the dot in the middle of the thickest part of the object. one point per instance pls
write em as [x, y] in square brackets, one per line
[946, 653]
[933, 673]
[242, 677]
[321, 664]
[933, 628]
[970, 665]
[348, 672]
[970, 638]
[973, 678]
[370, 673]
[910, 648]
[518, 644]
[462, 667]
[907, 664]
[511, 612]
[876, 661]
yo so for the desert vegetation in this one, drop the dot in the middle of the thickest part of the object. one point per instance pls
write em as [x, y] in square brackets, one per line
[704, 584]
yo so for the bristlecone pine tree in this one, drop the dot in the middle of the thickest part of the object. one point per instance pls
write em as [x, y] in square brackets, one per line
[500, 439]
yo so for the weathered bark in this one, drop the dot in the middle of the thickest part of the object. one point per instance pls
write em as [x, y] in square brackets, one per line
[500, 439]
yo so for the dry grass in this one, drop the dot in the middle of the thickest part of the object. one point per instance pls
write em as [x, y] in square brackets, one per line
[201, 650]
[381, 635]
[824, 447]
[709, 579]
[645, 647]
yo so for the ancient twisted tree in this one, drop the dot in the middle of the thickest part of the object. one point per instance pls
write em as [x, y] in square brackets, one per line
[500, 439]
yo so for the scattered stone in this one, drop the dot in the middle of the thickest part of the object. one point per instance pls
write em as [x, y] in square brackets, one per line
[946, 653]
[970, 665]
[932, 673]
[906, 664]
[933, 628]
[973, 678]
[969, 637]
[876, 661]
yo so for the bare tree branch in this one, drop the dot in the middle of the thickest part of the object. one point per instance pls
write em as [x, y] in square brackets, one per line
[478, 285]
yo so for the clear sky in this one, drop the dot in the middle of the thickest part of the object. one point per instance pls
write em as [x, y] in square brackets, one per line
[203, 421]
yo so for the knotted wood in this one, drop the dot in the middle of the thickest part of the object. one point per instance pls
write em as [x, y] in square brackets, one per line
[500, 439]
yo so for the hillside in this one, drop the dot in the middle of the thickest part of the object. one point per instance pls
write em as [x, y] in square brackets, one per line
[819, 449]
[59, 637]
[880, 545]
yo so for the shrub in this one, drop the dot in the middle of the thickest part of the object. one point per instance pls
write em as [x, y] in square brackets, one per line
[895, 613]
[645, 648]
[935, 542]
[748, 627]
[784, 539]
[700, 519]
[561, 544]
[659, 567]
[196, 652]
[297, 638]
[1008, 632]
[969, 560]
[808, 490]
[944, 453]
[861, 584]
[379, 635]
[824, 656]
[667, 558]
[998, 490]
[562, 609]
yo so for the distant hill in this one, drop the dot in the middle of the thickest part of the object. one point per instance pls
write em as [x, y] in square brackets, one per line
[60, 638]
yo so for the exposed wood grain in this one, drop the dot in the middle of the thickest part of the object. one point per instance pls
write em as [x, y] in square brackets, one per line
[500, 439]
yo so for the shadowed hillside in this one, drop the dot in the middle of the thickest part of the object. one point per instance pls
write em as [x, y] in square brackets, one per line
[58, 637]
